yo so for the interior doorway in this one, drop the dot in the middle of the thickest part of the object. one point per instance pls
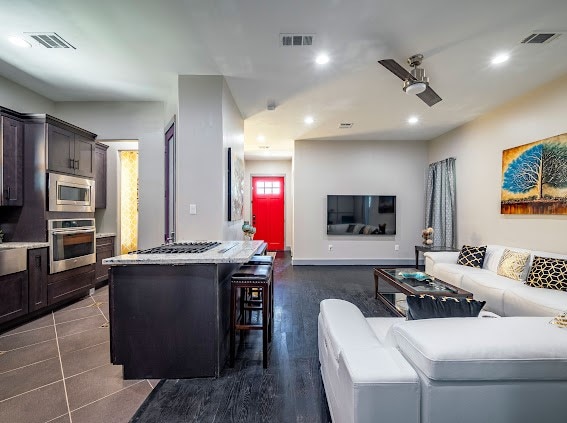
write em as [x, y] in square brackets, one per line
[170, 176]
[128, 201]
[268, 216]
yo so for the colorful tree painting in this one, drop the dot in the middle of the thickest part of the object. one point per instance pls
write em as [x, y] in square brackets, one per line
[534, 177]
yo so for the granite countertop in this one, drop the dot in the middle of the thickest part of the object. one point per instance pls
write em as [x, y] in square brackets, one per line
[104, 235]
[226, 252]
[27, 245]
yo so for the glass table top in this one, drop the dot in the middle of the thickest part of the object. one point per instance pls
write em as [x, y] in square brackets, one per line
[418, 281]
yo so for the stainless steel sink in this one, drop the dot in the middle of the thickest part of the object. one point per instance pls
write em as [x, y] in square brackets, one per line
[13, 260]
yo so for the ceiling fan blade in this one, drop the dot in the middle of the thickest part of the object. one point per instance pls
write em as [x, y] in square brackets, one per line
[396, 69]
[429, 96]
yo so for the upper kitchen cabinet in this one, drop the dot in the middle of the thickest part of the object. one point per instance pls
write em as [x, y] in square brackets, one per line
[69, 151]
[12, 155]
[100, 175]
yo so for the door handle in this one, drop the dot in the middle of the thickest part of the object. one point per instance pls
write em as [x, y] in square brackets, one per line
[72, 163]
[7, 194]
[38, 262]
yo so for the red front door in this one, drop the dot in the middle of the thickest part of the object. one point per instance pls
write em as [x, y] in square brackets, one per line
[268, 210]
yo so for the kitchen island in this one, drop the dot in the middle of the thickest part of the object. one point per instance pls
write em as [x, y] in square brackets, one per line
[169, 311]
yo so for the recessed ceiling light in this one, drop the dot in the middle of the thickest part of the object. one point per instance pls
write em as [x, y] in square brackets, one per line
[500, 58]
[308, 120]
[261, 138]
[322, 59]
[20, 42]
[412, 120]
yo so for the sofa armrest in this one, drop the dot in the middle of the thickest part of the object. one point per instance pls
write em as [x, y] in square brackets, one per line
[380, 382]
[434, 257]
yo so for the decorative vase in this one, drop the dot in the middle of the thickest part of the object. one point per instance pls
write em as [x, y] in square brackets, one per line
[246, 226]
[427, 235]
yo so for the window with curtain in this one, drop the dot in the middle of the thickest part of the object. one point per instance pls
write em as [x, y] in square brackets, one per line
[441, 202]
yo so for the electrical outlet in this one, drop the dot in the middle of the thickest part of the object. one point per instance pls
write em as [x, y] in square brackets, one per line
[396, 247]
[91, 291]
[330, 247]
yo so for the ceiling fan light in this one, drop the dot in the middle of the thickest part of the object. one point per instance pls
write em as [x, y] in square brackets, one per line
[415, 88]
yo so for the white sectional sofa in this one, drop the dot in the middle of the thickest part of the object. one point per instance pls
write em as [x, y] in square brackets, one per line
[465, 370]
[503, 296]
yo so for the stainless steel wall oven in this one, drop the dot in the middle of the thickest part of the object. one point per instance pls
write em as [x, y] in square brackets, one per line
[71, 193]
[71, 243]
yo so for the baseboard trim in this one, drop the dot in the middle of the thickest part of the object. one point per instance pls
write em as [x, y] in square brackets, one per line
[353, 262]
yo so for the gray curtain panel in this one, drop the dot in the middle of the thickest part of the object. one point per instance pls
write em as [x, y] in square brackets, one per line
[441, 202]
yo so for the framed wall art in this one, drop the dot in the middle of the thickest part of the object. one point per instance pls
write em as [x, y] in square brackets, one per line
[534, 177]
[235, 186]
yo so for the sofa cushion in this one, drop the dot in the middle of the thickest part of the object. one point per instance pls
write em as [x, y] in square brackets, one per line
[453, 273]
[547, 272]
[489, 287]
[430, 307]
[513, 264]
[344, 324]
[492, 257]
[472, 256]
[525, 300]
[512, 348]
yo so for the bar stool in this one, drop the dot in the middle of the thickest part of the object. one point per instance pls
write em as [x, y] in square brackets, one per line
[253, 296]
[252, 276]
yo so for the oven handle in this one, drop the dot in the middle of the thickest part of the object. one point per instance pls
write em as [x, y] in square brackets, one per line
[63, 231]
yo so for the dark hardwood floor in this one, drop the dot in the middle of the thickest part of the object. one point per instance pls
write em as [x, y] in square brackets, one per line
[291, 389]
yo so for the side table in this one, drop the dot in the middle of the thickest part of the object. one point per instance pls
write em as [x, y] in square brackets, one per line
[426, 248]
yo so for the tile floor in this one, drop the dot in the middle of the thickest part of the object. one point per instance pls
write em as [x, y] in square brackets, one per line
[57, 369]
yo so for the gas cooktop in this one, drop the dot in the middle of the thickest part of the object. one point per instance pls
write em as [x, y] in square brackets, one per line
[180, 248]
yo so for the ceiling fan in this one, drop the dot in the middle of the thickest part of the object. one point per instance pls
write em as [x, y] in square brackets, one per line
[415, 81]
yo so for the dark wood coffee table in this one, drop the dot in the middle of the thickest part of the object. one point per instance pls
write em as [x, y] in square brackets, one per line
[391, 287]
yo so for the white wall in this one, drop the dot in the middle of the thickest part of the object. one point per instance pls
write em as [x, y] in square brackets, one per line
[23, 100]
[271, 168]
[364, 168]
[142, 121]
[208, 123]
[478, 148]
[233, 137]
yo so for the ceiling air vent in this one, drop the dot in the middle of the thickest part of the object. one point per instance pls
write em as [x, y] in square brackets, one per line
[264, 147]
[345, 125]
[296, 40]
[540, 37]
[49, 40]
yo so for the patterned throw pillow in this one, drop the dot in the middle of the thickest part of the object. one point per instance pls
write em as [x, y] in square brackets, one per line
[550, 273]
[429, 307]
[512, 264]
[472, 256]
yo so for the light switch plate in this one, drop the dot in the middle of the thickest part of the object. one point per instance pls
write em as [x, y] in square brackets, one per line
[192, 208]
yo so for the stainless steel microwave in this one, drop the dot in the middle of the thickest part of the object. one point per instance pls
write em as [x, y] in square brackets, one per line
[71, 193]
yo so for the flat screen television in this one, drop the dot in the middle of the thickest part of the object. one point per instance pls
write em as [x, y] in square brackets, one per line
[361, 214]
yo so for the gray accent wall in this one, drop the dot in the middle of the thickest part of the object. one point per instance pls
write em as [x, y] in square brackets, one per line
[478, 147]
[362, 168]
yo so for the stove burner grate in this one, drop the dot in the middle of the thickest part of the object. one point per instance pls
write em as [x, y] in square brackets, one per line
[180, 248]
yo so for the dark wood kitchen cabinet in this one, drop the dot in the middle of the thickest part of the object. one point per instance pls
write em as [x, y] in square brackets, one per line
[100, 175]
[12, 148]
[70, 152]
[69, 284]
[13, 296]
[37, 277]
[104, 249]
